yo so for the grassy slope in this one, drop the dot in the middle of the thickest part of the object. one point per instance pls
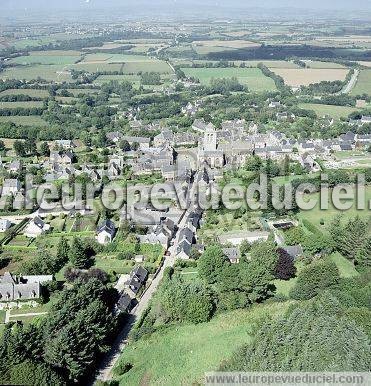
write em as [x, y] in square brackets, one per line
[363, 84]
[315, 215]
[334, 111]
[182, 354]
[346, 269]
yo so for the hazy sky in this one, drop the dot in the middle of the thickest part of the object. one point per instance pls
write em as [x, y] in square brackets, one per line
[362, 5]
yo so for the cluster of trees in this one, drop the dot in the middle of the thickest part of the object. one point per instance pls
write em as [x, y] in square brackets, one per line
[352, 240]
[278, 80]
[183, 301]
[64, 347]
[225, 85]
[326, 87]
[150, 78]
[323, 335]
[79, 254]
[239, 285]
[11, 112]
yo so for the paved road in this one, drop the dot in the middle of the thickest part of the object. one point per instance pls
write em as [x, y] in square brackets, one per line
[109, 362]
[349, 87]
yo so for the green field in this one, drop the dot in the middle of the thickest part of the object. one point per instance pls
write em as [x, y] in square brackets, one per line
[49, 57]
[271, 63]
[181, 355]
[128, 64]
[32, 120]
[33, 93]
[25, 105]
[335, 112]
[78, 91]
[318, 64]
[253, 78]
[135, 79]
[315, 215]
[56, 73]
[363, 85]
[96, 66]
[133, 67]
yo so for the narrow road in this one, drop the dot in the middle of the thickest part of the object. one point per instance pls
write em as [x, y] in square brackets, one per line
[105, 370]
[353, 80]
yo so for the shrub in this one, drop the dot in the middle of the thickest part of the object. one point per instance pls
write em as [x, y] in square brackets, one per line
[315, 278]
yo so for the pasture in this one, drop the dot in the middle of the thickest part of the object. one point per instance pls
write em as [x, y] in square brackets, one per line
[335, 112]
[363, 85]
[318, 64]
[307, 76]
[33, 93]
[57, 73]
[49, 57]
[253, 78]
[190, 350]
[316, 215]
[24, 105]
[32, 120]
[127, 64]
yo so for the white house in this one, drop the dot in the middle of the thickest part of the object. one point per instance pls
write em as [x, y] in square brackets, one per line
[11, 186]
[4, 224]
[36, 228]
[106, 232]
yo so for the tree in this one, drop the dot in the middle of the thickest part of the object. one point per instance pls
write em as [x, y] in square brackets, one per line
[2, 146]
[185, 301]
[310, 337]
[124, 145]
[285, 267]
[63, 251]
[19, 148]
[253, 164]
[314, 279]
[356, 232]
[294, 236]
[44, 149]
[211, 264]
[245, 248]
[78, 256]
[256, 275]
[363, 256]
[31, 373]
[135, 146]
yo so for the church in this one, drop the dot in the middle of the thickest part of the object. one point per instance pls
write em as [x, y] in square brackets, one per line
[208, 151]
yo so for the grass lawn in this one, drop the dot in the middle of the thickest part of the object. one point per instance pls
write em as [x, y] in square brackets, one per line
[282, 180]
[253, 78]
[2, 317]
[25, 120]
[53, 72]
[24, 105]
[33, 93]
[363, 85]
[113, 265]
[315, 215]
[346, 267]
[182, 354]
[46, 59]
[333, 111]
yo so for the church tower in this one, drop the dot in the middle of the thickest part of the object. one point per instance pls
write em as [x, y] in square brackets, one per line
[210, 140]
